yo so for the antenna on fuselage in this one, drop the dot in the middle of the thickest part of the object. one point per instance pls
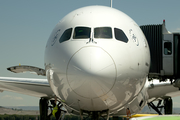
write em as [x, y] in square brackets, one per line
[111, 3]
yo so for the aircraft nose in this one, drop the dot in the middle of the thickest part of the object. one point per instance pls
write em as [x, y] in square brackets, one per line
[91, 72]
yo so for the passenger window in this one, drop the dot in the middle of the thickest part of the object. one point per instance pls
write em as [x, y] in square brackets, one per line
[167, 48]
[103, 32]
[82, 33]
[119, 35]
[66, 35]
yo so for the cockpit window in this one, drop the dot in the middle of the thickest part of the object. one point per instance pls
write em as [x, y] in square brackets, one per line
[82, 33]
[103, 32]
[119, 35]
[66, 35]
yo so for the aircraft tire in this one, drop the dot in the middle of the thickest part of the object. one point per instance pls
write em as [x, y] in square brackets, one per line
[115, 118]
[168, 105]
[43, 108]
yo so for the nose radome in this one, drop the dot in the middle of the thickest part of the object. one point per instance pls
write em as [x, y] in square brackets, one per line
[91, 72]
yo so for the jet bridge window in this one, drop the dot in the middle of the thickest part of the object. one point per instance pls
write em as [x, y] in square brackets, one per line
[167, 48]
[120, 35]
[66, 35]
[103, 32]
[82, 33]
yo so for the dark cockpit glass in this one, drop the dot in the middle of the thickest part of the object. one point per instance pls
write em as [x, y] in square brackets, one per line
[82, 33]
[103, 32]
[120, 35]
[66, 35]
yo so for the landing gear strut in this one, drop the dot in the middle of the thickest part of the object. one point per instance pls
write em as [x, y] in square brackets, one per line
[167, 106]
[43, 108]
[156, 107]
[95, 115]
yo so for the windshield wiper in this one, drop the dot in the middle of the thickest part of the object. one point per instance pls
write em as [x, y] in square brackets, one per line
[91, 39]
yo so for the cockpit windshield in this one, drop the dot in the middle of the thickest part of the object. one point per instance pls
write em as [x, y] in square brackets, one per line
[82, 33]
[103, 32]
[120, 35]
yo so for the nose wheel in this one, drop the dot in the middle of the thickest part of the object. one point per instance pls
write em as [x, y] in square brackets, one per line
[95, 115]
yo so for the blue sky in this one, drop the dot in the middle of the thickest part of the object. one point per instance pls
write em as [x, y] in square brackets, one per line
[25, 27]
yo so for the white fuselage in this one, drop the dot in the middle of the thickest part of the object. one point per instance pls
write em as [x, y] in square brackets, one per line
[97, 58]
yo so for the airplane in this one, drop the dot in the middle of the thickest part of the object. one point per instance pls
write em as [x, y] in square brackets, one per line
[97, 61]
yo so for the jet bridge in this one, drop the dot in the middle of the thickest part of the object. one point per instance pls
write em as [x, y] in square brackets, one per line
[165, 59]
[165, 52]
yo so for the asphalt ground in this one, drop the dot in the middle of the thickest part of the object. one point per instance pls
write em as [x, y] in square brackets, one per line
[160, 117]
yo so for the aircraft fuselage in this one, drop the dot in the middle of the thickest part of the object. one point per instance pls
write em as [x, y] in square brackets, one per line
[97, 58]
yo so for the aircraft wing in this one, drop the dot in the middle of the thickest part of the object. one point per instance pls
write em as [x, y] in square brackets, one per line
[158, 89]
[32, 87]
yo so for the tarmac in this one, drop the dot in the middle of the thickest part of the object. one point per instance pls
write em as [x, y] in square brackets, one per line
[159, 117]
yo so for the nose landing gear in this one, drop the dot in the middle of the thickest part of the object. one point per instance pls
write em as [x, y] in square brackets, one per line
[43, 108]
[95, 115]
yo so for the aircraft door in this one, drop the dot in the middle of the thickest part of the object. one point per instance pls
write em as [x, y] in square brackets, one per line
[168, 54]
